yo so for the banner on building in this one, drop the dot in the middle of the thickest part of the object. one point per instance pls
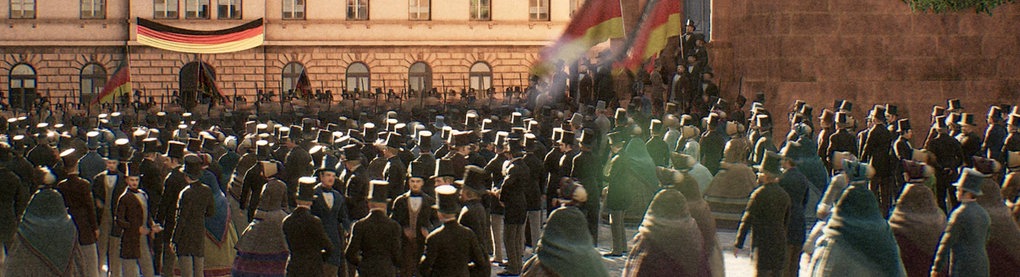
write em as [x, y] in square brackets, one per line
[243, 37]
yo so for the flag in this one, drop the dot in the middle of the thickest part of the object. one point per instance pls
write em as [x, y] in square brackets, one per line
[659, 22]
[207, 84]
[243, 37]
[596, 21]
[119, 84]
[304, 85]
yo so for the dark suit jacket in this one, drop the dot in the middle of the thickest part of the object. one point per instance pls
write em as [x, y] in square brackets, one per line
[395, 172]
[99, 192]
[473, 216]
[767, 213]
[843, 141]
[796, 186]
[374, 248]
[995, 138]
[194, 205]
[357, 194]
[962, 250]
[78, 199]
[947, 151]
[251, 189]
[151, 182]
[659, 150]
[297, 164]
[533, 194]
[512, 194]
[129, 217]
[1012, 144]
[712, 145]
[306, 240]
[970, 144]
[42, 155]
[876, 150]
[334, 220]
[452, 250]
[172, 187]
[902, 149]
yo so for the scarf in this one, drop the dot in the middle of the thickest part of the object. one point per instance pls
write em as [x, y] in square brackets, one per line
[565, 247]
[216, 226]
[668, 224]
[918, 218]
[858, 224]
[48, 229]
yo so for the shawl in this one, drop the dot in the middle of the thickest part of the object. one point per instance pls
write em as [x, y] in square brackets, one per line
[1004, 234]
[565, 247]
[858, 225]
[216, 226]
[668, 225]
[48, 229]
[265, 232]
[918, 218]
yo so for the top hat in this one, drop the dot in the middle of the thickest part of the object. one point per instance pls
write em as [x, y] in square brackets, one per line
[296, 133]
[970, 181]
[444, 168]
[940, 122]
[440, 122]
[954, 104]
[192, 166]
[425, 141]
[131, 169]
[655, 126]
[471, 120]
[891, 109]
[620, 118]
[568, 138]
[837, 104]
[68, 157]
[714, 120]
[209, 142]
[417, 169]
[903, 125]
[588, 137]
[393, 140]
[690, 22]
[827, 116]
[995, 112]
[770, 163]
[352, 153]
[250, 127]
[475, 179]
[938, 110]
[462, 138]
[378, 191]
[92, 138]
[763, 122]
[1014, 120]
[967, 119]
[390, 125]
[846, 106]
[447, 200]
[309, 124]
[175, 149]
[194, 145]
[500, 138]
[445, 133]
[877, 113]
[516, 119]
[618, 138]
[324, 137]
[306, 188]
[150, 145]
[370, 133]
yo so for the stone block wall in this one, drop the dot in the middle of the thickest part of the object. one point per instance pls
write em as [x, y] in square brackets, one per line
[869, 52]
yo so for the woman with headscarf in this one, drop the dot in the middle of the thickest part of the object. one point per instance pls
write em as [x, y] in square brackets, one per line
[668, 242]
[827, 203]
[857, 241]
[46, 243]
[917, 222]
[702, 214]
[731, 188]
[1004, 234]
[565, 248]
[262, 250]
[220, 234]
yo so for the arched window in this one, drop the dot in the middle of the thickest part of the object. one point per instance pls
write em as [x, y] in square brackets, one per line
[419, 77]
[480, 76]
[197, 83]
[92, 78]
[291, 74]
[358, 77]
[22, 86]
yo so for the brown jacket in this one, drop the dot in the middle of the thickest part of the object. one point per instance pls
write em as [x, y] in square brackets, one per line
[78, 199]
[129, 217]
[194, 205]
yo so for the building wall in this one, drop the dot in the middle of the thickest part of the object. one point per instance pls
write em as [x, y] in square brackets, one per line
[57, 43]
[869, 52]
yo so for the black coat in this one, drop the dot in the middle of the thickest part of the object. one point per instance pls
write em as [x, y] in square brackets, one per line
[151, 182]
[195, 204]
[796, 186]
[14, 198]
[995, 138]
[473, 216]
[297, 164]
[512, 195]
[334, 220]
[767, 213]
[99, 192]
[452, 250]
[374, 249]
[876, 150]
[902, 149]
[947, 150]
[712, 145]
[357, 194]
[970, 144]
[842, 141]
[395, 172]
[306, 240]
[659, 150]
[534, 194]
[173, 184]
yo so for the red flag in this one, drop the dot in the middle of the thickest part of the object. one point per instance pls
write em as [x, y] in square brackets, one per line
[596, 21]
[660, 21]
[119, 84]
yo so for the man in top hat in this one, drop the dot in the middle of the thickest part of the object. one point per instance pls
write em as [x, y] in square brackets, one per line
[306, 238]
[892, 115]
[767, 215]
[656, 143]
[949, 157]
[135, 222]
[842, 140]
[463, 153]
[330, 207]
[151, 173]
[876, 151]
[374, 249]
[902, 148]
[43, 154]
[796, 185]
[297, 163]
[568, 145]
[995, 135]
[452, 250]
[962, 250]
[513, 197]
[586, 169]
[257, 176]
[425, 160]
[413, 211]
[91, 163]
[474, 215]
[970, 140]
[193, 207]
[107, 186]
[166, 215]
[79, 202]
[827, 126]
[765, 142]
[395, 170]
[713, 142]
[357, 186]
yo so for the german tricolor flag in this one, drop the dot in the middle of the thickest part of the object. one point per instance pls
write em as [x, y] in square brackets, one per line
[119, 84]
[660, 21]
[596, 21]
[243, 37]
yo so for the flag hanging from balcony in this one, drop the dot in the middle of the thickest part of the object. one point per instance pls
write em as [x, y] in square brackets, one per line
[243, 37]
[659, 22]
[118, 85]
[596, 21]
[207, 84]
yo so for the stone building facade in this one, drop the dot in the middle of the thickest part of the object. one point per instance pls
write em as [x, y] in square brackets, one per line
[64, 50]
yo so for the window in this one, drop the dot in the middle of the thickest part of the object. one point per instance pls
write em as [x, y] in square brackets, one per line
[229, 9]
[419, 9]
[701, 12]
[197, 82]
[574, 5]
[93, 9]
[539, 10]
[294, 9]
[357, 9]
[196, 9]
[480, 76]
[291, 75]
[164, 9]
[21, 86]
[93, 78]
[358, 77]
[480, 10]
[419, 77]
[23, 9]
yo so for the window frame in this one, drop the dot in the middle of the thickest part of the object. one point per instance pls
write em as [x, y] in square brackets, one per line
[358, 77]
[292, 77]
[22, 12]
[357, 6]
[482, 77]
[476, 10]
[99, 13]
[417, 4]
[166, 13]
[97, 78]
[535, 10]
[425, 76]
[294, 13]
[27, 97]
[198, 10]
[229, 13]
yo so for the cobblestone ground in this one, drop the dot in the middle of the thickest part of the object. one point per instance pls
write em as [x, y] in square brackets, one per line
[739, 266]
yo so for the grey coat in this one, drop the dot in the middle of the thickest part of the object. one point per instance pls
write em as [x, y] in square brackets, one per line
[962, 250]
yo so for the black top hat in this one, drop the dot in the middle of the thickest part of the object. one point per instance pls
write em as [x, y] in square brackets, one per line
[847, 106]
[763, 122]
[516, 119]
[827, 116]
[194, 145]
[970, 181]
[324, 137]
[192, 166]
[444, 168]
[309, 124]
[686, 120]
[771, 163]
[516, 145]
[378, 191]
[797, 105]
[995, 113]
[131, 170]
[68, 157]
[807, 111]
[938, 110]
[714, 120]
[618, 138]
[150, 145]
[620, 118]
[891, 109]
[417, 169]
[837, 104]
[568, 138]
[352, 152]
[209, 142]
[370, 133]
[500, 138]
[940, 122]
[393, 140]
[471, 120]
[92, 138]
[447, 200]
[877, 113]
[306, 188]
[332, 127]
[296, 133]
[475, 179]
[954, 104]
[842, 118]
[903, 125]
[175, 149]
[120, 150]
[655, 126]
[967, 119]
[390, 124]
[462, 138]
[588, 137]
[1014, 120]
[425, 141]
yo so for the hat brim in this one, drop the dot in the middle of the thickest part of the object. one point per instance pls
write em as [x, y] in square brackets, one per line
[960, 186]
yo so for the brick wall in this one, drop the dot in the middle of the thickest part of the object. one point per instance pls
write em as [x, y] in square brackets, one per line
[869, 52]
